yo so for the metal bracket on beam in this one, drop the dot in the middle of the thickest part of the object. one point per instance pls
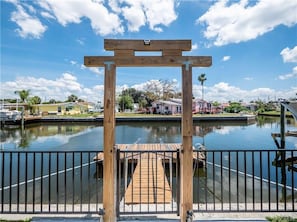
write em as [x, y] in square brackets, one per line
[108, 63]
[187, 64]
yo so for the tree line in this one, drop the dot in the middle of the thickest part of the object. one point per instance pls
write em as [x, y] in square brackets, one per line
[152, 91]
[25, 97]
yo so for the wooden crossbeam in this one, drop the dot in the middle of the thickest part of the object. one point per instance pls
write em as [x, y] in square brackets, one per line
[148, 61]
[147, 45]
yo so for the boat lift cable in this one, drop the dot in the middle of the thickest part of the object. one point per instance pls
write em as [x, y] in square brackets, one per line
[46, 176]
[251, 176]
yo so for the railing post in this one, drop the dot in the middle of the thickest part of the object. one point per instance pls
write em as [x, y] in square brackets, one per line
[177, 172]
[118, 191]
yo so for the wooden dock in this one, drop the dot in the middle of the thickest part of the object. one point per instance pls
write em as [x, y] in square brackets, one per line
[149, 183]
[150, 147]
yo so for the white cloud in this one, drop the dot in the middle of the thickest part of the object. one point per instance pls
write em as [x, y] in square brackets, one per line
[83, 67]
[248, 78]
[155, 13]
[30, 8]
[289, 55]
[73, 62]
[289, 75]
[226, 58]
[96, 70]
[80, 41]
[47, 89]
[102, 21]
[29, 26]
[135, 16]
[68, 84]
[233, 22]
[47, 15]
[195, 46]
[106, 17]
[114, 5]
[92, 69]
[224, 92]
[12, 1]
[138, 13]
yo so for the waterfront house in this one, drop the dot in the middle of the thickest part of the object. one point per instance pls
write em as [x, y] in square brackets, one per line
[202, 106]
[166, 107]
[174, 106]
[67, 108]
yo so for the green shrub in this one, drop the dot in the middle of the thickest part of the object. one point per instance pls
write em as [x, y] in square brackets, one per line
[281, 219]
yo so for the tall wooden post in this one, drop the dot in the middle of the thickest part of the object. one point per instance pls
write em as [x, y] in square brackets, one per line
[109, 169]
[187, 148]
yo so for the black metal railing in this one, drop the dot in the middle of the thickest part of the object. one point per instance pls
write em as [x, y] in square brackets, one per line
[49, 182]
[247, 181]
[148, 181]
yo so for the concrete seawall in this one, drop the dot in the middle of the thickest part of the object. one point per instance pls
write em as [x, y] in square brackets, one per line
[245, 118]
[99, 119]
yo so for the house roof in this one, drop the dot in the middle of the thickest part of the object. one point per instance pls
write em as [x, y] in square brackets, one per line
[168, 103]
[63, 104]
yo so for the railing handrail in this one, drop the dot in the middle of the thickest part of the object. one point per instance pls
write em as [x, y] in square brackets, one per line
[147, 150]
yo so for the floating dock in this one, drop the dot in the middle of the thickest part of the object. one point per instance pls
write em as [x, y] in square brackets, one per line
[163, 147]
[149, 183]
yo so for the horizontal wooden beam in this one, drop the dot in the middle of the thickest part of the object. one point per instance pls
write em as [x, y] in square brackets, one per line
[147, 45]
[148, 61]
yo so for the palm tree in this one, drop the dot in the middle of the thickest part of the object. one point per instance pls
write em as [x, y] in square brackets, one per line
[24, 94]
[202, 79]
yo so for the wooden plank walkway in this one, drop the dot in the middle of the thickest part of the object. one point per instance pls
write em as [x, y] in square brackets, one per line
[149, 183]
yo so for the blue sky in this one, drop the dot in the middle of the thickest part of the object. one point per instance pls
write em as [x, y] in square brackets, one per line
[253, 45]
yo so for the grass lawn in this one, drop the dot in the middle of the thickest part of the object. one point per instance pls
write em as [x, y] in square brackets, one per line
[274, 113]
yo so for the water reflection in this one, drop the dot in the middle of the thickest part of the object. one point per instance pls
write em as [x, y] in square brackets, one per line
[23, 138]
[215, 135]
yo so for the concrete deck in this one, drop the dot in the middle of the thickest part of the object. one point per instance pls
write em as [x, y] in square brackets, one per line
[210, 217]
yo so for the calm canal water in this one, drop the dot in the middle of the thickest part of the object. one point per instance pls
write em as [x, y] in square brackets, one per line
[214, 135]
[89, 137]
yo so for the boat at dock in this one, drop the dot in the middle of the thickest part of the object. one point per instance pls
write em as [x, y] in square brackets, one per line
[10, 115]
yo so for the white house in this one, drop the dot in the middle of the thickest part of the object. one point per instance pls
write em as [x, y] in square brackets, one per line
[166, 107]
[202, 106]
